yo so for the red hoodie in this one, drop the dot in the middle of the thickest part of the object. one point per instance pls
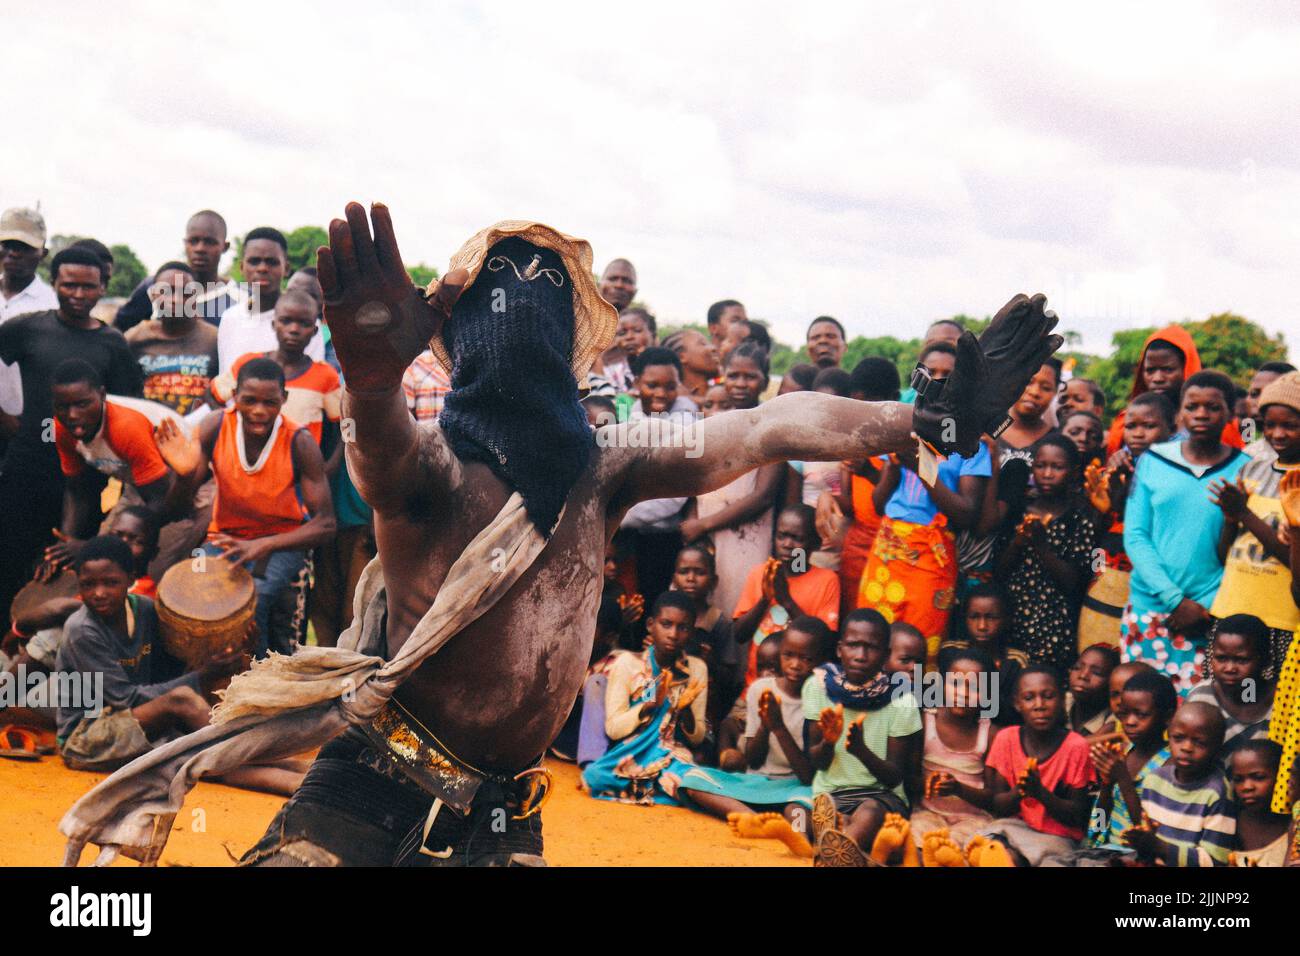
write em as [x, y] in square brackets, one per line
[1178, 337]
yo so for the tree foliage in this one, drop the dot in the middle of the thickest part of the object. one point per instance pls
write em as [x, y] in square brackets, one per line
[128, 270]
[1227, 342]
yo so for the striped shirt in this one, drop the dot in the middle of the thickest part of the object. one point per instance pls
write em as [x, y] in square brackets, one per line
[1108, 831]
[1235, 732]
[1199, 819]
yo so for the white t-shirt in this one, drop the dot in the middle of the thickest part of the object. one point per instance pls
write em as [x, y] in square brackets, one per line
[241, 332]
[776, 764]
[37, 297]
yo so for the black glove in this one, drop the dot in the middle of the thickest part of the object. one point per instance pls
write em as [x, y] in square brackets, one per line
[989, 376]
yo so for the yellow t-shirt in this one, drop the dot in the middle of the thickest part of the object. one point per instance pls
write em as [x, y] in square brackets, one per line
[1253, 581]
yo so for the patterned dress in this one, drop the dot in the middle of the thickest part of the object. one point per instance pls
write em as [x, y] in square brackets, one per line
[1044, 616]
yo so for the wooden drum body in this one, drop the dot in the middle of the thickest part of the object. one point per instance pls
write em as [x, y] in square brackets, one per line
[205, 613]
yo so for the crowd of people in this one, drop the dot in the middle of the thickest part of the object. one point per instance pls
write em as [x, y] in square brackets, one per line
[1074, 647]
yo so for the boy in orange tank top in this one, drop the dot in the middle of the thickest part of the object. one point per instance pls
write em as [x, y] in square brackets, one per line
[273, 500]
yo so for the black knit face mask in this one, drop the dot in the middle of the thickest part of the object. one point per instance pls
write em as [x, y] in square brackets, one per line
[514, 402]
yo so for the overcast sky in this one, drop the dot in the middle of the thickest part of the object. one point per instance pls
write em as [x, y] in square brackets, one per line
[886, 163]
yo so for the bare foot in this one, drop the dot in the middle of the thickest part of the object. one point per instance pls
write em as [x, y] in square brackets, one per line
[894, 842]
[975, 848]
[992, 854]
[770, 826]
[938, 849]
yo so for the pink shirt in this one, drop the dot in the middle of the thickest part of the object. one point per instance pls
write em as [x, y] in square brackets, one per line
[1070, 765]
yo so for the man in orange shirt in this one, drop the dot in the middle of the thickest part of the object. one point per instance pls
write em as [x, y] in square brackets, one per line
[786, 587]
[114, 436]
[273, 500]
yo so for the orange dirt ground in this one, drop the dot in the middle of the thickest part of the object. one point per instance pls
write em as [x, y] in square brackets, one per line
[218, 823]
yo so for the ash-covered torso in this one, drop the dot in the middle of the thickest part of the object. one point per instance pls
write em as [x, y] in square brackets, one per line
[499, 691]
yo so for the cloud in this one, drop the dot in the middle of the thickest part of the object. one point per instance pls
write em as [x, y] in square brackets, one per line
[886, 165]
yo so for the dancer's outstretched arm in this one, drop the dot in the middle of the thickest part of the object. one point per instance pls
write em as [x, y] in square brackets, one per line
[989, 375]
[802, 426]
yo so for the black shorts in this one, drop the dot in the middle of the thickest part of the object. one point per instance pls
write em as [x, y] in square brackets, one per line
[355, 807]
[850, 798]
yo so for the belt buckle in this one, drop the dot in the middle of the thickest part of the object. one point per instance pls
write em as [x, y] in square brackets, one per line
[539, 783]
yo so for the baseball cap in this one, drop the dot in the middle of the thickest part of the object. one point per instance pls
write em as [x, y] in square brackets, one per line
[24, 225]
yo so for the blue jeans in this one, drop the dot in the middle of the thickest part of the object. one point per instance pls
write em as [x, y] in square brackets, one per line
[282, 569]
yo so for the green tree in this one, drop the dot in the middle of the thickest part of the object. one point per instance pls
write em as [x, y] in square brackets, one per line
[1227, 342]
[303, 243]
[422, 274]
[128, 271]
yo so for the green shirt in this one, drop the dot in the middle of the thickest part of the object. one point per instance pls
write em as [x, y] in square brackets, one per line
[899, 718]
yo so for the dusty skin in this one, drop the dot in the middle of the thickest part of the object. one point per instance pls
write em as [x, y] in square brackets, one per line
[580, 831]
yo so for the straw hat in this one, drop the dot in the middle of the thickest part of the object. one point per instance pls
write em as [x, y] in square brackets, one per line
[594, 319]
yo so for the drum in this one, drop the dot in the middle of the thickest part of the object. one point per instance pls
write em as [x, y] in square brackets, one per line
[36, 593]
[204, 608]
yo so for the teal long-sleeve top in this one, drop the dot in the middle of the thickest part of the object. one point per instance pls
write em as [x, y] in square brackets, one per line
[1171, 528]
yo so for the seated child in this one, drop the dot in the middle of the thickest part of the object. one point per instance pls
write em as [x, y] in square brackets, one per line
[861, 736]
[1239, 652]
[773, 738]
[654, 711]
[1037, 777]
[1144, 707]
[146, 698]
[956, 744]
[1192, 820]
[1086, 702]
[1262, 835]
[786, 586]
[653, 697]
[137, 526]
[731, 756]
[907, 649]
[695, 576]
[984, 622]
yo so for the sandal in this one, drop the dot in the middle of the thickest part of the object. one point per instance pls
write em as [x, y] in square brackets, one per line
[837, 849]
[824, 816]
[25, 746]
